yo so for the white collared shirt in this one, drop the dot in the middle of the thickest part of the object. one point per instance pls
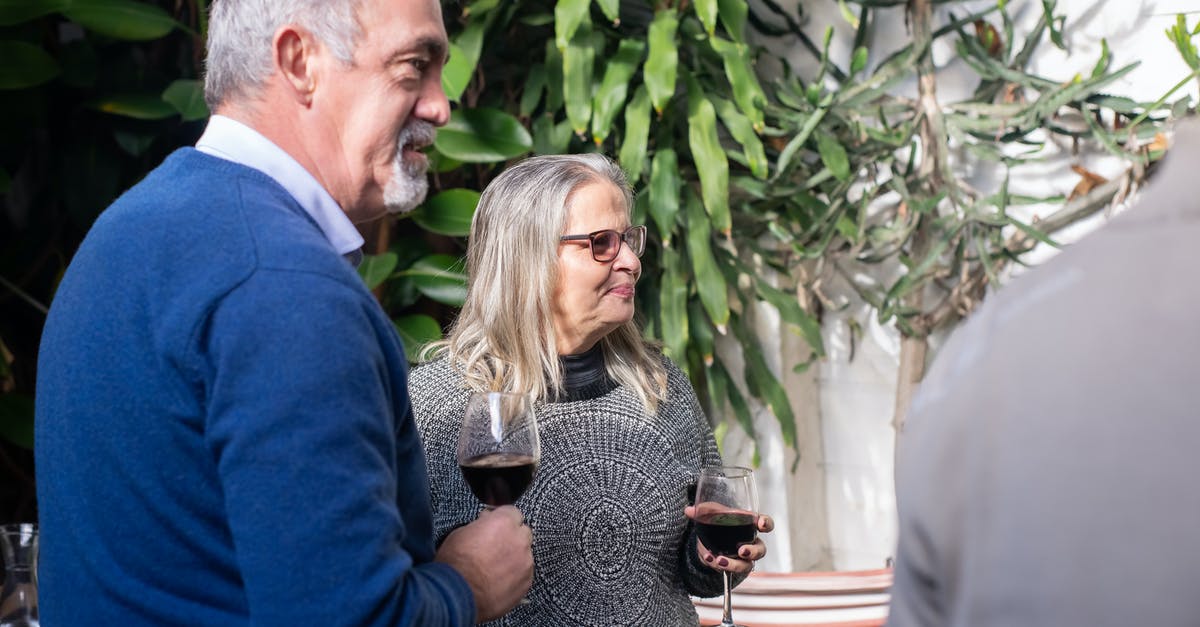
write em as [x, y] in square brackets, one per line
[228, 139]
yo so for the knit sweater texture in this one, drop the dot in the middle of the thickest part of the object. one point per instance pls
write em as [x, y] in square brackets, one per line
[223, 429]
[610, 542]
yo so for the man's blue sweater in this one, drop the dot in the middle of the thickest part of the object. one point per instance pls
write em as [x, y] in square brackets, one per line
[223, 429]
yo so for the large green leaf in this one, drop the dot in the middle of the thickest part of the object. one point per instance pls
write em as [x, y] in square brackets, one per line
[121, 19]
[743, 131]
[763, 384]
[375, 269]
[711, 163]
[706, 10]
[21, 11]
[612, 10]
[663, 61]
[568, 16]
[664, 192]
[550, 138]
[531, 95]
[456, 75]
[610, 98]
[672, 301]
[137, 106]
[187, 96]
[25, 65]
[16, 419]
[739, 69]
[448, 212]
[700, 332]
[637, 130]
[440, 278]
[483, 135]
[416, 331]
[733, 16]
[710, 283]
[721, 386]
[579, 59]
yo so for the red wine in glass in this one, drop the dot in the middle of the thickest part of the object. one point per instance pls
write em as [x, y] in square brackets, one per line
[498, 478]
[726, 500]
[723, 532]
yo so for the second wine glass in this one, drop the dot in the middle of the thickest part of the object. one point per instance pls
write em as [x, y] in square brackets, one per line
[498, 446]
[726, 518]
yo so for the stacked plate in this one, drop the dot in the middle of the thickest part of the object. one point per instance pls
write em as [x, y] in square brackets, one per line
[832, 599]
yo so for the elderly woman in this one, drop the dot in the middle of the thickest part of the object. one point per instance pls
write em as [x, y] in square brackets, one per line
[552, 264]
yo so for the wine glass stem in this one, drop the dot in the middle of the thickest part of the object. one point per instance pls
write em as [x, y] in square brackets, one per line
[727, 619]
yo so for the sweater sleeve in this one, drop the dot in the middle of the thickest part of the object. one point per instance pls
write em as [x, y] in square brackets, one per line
[698, 578]
[325, 492]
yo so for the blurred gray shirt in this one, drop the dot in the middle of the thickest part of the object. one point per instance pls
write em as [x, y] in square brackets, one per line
[1049, 471]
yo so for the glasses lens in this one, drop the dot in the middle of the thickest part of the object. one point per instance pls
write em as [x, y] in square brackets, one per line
[605, 245]
[635, 237]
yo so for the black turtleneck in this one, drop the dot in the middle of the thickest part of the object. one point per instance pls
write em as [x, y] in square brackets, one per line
[584, 376]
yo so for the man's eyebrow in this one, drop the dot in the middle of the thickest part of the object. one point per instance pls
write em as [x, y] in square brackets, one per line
[431, 46]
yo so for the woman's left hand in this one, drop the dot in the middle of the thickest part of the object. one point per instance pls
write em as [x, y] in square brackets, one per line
[748, 553]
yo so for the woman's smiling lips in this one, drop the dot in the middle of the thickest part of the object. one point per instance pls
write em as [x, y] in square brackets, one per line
[623, 291]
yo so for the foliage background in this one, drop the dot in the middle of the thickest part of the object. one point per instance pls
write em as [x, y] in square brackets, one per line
[758, 184]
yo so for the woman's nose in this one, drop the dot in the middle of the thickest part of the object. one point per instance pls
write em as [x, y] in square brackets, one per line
[627, 260]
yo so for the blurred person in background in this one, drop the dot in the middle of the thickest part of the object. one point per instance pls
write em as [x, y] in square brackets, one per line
[1047, 473]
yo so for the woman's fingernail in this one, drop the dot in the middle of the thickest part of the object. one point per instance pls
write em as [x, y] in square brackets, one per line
[708, 558]
[744, 552]
[722, 562]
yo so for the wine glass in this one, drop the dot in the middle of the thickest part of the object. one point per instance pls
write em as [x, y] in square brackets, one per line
[726, 502]
[498, 447]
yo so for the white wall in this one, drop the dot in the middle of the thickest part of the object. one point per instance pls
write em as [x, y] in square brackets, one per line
[845, 478]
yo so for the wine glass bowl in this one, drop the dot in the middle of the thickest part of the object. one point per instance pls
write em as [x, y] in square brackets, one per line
[498, 447]
[725, 516]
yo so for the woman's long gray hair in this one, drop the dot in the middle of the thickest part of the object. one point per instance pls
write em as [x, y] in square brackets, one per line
[240, 34]
[504, 336]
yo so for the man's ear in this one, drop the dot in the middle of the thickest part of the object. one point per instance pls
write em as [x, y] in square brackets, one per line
[295, 52]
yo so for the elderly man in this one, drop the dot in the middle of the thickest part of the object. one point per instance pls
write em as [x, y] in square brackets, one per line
[224, 434]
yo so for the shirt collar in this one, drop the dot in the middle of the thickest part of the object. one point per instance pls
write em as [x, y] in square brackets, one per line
[231, 140]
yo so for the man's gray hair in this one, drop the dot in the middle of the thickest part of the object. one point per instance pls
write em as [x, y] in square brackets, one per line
[240, 33]
[503, 338]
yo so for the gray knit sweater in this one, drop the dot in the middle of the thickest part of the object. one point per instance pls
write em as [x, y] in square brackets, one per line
[611, 545]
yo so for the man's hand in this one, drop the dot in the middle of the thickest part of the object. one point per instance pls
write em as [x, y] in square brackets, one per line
[495, 555]
[749, 553]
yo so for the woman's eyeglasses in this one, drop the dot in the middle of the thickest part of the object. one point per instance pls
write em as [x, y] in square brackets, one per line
[606, 244]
